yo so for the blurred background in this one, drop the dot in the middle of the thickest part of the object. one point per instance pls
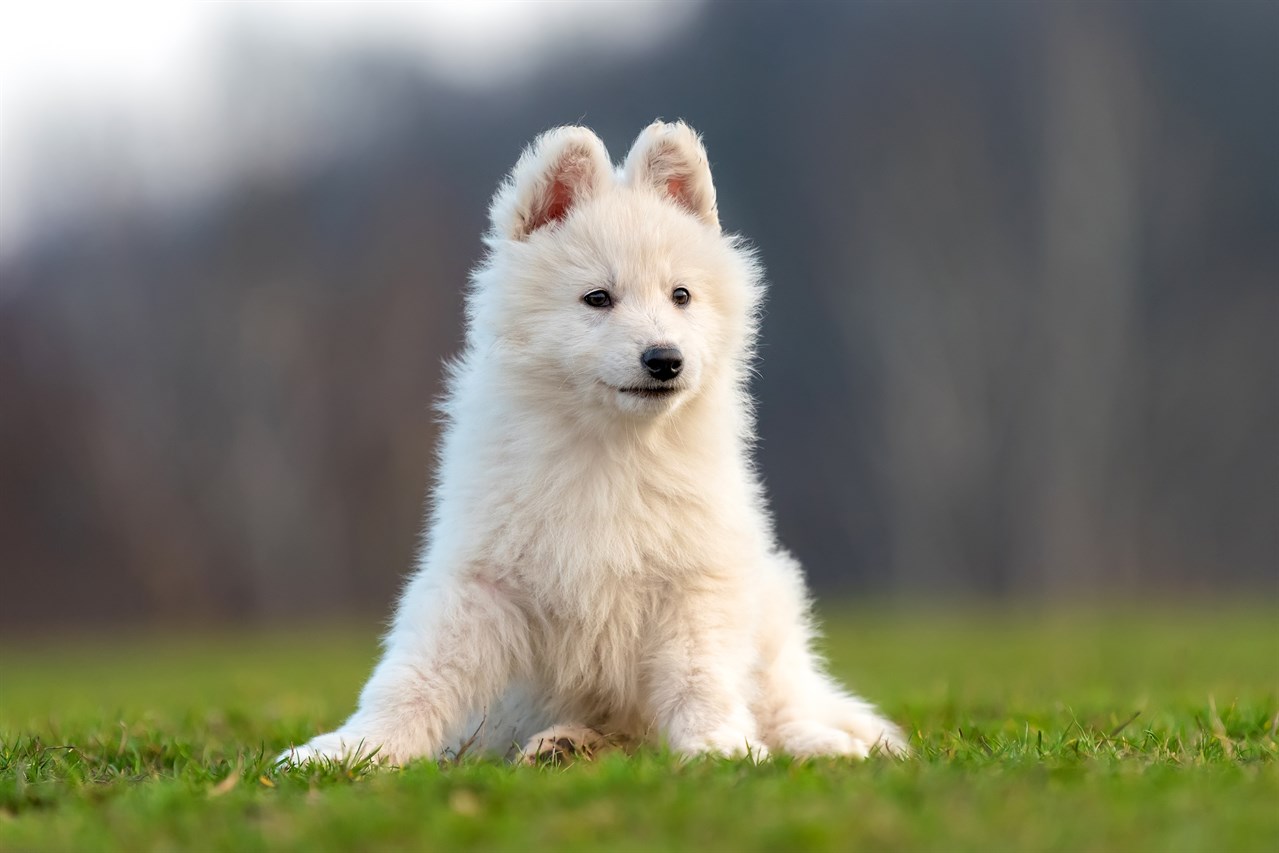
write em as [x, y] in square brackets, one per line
[1021, 341]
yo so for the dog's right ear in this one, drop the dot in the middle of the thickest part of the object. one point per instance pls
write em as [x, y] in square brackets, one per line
[561, 169]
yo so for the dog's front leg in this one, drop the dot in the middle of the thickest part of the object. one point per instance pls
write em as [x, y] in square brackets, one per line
[699, 678]
[452, 650]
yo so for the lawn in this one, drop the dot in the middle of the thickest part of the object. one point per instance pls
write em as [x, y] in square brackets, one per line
[1125, 729]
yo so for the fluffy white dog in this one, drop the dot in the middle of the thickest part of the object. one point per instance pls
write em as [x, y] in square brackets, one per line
[600, 560]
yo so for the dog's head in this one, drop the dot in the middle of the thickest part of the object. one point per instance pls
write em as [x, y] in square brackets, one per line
[616, 288]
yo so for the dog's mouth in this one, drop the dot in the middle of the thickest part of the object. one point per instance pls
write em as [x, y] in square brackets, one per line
[651, 392]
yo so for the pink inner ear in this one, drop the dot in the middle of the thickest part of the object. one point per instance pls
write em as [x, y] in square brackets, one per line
[560, 195]
[680, 189]
[558, 200]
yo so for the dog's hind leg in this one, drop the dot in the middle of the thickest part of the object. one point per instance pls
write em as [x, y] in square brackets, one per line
[806, 714]
[452, 650]
[802, 710]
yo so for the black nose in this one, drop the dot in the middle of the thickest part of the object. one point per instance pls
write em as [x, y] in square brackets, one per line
[663, 363]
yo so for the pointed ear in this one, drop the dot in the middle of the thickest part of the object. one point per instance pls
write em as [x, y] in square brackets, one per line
[670, 159]
[562, 168]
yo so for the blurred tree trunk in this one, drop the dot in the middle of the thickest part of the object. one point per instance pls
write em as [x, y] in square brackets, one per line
[1089, 393]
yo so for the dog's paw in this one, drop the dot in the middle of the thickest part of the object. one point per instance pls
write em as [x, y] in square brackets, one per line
[335, 747]
[723, 743]
[880, 735]
[809, 739]
[562, 744]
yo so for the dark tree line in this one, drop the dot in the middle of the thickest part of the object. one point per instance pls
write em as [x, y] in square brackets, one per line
[1020, 340]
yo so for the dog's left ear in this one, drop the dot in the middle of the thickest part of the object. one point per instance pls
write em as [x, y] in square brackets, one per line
[670, 159]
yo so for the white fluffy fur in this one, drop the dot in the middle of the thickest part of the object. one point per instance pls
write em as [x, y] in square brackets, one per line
[598, 559]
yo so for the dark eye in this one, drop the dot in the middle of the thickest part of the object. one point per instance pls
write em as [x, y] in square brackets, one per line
[598, 299]
[680, 295]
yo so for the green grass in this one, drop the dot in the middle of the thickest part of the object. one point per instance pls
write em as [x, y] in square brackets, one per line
[1023, 725]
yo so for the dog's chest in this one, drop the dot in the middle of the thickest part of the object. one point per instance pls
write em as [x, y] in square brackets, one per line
[577, 528]
[600, 558]
[591, 644]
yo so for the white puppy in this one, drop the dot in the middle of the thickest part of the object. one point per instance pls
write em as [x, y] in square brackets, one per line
[600, 557]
